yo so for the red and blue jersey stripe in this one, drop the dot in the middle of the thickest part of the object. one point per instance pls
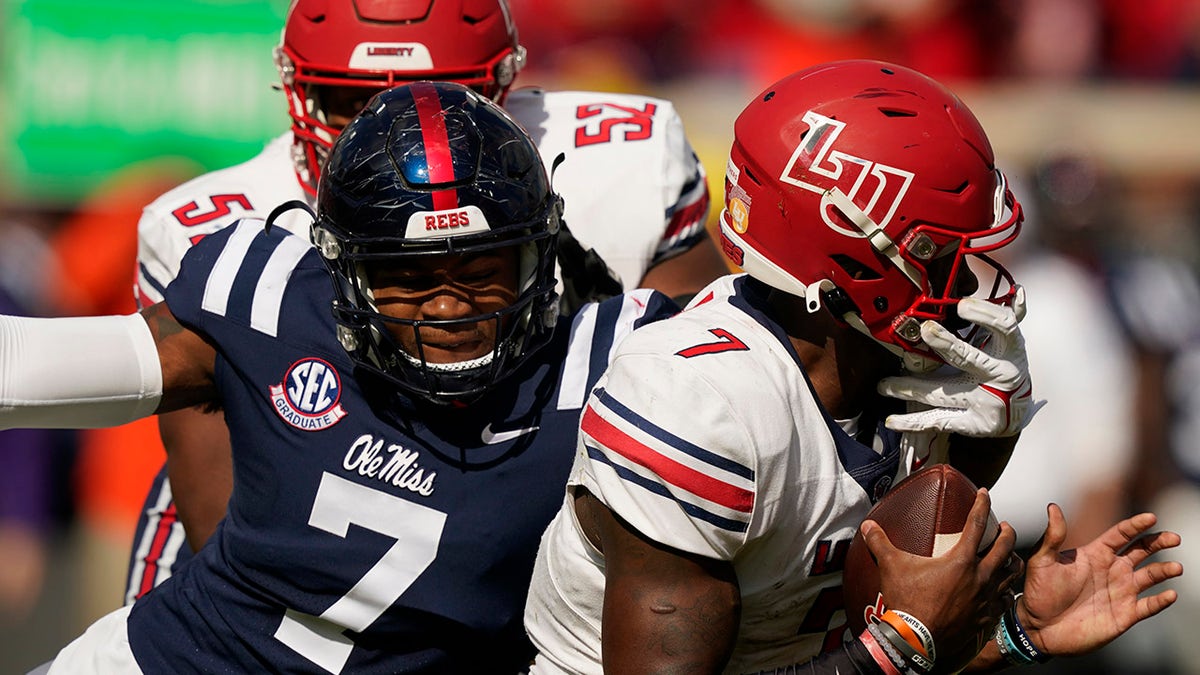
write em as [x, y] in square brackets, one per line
[707, 486]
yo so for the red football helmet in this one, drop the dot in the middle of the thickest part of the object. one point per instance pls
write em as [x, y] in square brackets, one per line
[868, 185]
[377, 44]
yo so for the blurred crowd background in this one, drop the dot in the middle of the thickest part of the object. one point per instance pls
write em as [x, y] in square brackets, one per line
[1093, 107]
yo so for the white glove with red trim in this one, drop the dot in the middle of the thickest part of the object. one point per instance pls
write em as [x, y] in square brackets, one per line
[987, 392]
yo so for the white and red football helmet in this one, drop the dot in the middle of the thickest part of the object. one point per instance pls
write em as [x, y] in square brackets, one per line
[377, 44]
[867, 186]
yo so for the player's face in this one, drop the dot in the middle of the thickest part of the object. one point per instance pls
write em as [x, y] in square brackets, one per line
[447, 288]
[965, 284]
[939, 271]
[341, 104]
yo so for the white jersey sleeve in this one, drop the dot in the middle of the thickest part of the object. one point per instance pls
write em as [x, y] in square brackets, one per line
[171, 224]
[706, 437]
[690, 486]
[633, 188]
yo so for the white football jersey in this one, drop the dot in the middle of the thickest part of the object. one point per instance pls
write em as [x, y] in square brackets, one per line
[633, 189]
[182, 216]
[706, 436]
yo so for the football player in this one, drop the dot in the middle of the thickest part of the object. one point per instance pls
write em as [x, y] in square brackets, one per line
[397, 458]
[729, 455]
[634, 192]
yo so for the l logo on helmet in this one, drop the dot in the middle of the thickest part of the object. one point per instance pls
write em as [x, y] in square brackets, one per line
[815, 166]
[308, 398]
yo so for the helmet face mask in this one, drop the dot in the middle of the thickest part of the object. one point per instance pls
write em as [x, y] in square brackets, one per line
[374, 46]
[430, 191]
[874, 180]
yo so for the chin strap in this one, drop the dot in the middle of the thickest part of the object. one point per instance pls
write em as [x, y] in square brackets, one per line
[886, 247]
[825, 291]
[812, 294]
[284, 208]
[586, 277]
[879, 239]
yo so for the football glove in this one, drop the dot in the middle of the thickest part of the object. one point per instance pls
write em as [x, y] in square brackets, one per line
[986, 391]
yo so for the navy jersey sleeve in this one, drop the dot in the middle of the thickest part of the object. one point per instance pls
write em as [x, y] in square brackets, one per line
[244, 280]
[596, 330]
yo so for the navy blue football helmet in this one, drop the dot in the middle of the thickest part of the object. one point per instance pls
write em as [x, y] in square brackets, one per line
[427, 169]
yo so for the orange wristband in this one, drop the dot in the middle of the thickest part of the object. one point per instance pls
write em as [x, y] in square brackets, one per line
[924, 639]
[905, 631]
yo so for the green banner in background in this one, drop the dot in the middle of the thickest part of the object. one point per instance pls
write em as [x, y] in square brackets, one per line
[87, 88]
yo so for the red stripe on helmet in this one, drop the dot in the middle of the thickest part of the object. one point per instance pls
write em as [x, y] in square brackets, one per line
[437, 143]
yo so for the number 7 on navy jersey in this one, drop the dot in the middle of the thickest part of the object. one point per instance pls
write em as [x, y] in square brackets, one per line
[417, 530]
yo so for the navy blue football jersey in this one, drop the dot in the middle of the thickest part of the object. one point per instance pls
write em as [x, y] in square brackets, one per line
[367, 531]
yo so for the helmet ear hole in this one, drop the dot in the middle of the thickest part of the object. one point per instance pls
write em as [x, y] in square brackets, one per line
[855, 269]
[750, 175]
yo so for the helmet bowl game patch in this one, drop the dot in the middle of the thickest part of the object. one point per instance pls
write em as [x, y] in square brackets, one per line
[308, 396]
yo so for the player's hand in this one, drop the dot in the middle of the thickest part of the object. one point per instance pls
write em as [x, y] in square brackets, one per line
[1079, 600]
[958, 595]
[986, 392]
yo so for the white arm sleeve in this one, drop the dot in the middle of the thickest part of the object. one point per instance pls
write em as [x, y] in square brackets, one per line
[77, 372]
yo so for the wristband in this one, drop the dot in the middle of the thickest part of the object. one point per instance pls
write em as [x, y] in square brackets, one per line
[881, 657]
[890, 649]
[910, 627]
[1008, 650]
[1016, 639]
[913, 660]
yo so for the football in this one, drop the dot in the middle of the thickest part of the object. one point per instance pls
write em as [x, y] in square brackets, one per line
[923, 514]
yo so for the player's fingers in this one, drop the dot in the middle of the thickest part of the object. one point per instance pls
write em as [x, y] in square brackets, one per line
[1155, 573]
[1153, 604]
[1018, 303]
[877, 541]
[1147, 545]
[942, 392]
[1001, 565]
[1001, 560]
[940, 419]
[1161, 541]
[1055, 534]
[976, 527]
[1126, 531]
[956, 352]
[996, 333]
[937, 421]
[998, 319]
